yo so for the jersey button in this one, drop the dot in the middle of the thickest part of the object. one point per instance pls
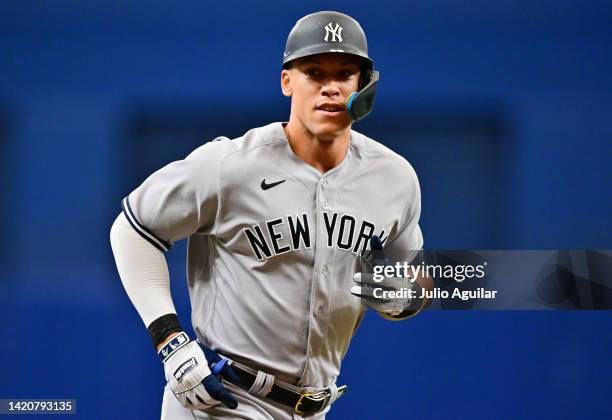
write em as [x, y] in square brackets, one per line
[324, 183]
[324, 270]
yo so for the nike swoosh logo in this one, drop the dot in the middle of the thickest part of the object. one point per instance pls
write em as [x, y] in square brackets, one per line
[265, 186]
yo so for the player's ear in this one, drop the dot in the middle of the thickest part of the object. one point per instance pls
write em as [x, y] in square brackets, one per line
[286, 83]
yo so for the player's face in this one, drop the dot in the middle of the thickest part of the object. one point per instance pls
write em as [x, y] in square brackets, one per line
[318, 86]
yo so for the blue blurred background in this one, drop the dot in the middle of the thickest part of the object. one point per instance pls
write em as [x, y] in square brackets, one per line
[504, 109]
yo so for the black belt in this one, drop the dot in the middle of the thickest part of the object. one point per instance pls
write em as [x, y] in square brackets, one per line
[303, 404]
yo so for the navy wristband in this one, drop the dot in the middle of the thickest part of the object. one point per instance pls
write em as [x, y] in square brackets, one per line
[162, 327]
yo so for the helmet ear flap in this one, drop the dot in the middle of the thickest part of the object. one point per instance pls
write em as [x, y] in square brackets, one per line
[359, 104]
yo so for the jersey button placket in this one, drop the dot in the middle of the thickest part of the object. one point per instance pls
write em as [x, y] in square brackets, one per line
[322, 199]
[321, 272]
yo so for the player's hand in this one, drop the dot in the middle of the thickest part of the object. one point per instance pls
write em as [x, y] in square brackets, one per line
[189, 375]
[390, 295]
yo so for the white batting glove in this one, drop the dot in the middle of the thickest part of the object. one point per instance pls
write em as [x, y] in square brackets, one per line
[390, 296]
[189, 376]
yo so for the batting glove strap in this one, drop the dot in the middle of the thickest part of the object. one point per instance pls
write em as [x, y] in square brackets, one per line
[172, 346]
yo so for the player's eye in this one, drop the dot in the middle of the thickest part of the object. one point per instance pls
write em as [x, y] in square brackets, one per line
[313, 72]
[348, 73]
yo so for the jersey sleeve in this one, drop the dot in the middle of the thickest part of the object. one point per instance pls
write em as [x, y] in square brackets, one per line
[409, 236]
[180, 199]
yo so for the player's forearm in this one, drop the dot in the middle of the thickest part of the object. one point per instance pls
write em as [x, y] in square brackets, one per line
[143, 271]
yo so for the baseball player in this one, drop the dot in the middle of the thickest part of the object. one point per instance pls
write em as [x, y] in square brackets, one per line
[278, 223]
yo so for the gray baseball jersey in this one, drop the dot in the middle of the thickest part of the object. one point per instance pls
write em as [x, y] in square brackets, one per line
[273, 243]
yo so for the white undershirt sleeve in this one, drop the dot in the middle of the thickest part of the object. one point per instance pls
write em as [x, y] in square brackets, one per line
[143, 271]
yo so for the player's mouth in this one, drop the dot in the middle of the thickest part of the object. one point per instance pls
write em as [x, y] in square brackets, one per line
[330, 108]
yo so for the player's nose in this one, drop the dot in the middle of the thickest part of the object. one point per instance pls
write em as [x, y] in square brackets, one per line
[330, 88]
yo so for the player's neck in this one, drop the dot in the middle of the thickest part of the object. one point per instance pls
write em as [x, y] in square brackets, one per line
[323, 155]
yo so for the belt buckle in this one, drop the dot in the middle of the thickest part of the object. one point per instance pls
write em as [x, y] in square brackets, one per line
[315, 396]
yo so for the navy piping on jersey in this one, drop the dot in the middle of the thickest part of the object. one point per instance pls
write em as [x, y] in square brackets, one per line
[143, 231]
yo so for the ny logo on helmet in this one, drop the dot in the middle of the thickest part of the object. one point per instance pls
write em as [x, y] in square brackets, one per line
[335, 32]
